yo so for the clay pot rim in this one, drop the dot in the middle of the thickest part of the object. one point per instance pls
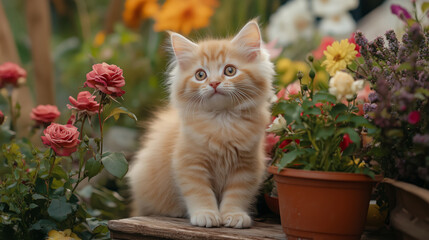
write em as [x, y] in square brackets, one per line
[333, 176]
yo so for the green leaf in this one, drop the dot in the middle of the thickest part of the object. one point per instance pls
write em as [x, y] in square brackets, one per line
[33, 205]
[116, 164]
[324, 133]
[43, 225]
[342, 118]
[425, 6]
[337, 109]
[313, 111]
[292, 112]
[59, 209]
[92, 167]
[289, 157]
[118, 111]
[59, 173]
[360, 121]
[38, 196]
[323, 96]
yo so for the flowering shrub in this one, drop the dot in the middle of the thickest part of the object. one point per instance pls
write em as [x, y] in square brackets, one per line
[38, 188]
[399, 106]
[315, 130]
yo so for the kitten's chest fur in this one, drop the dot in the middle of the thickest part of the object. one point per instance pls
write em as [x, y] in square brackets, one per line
[226, 141]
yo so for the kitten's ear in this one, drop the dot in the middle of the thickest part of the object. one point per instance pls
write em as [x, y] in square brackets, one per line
[183, 49]
[249, 39]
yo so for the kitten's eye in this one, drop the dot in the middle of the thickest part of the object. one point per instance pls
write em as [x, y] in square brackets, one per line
[200, 75]
[230, 70]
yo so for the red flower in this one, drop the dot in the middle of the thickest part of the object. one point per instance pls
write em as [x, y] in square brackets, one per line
[45, 113]
[85, 102]
[63, 139]
[287, 142]
[10, 73]
[346, 142]
[414, 117]
[270, 141]
[1, 117]
[106, 78]
[357, 47]
[326, 41]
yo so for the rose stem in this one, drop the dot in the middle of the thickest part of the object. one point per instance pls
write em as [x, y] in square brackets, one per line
[81, 158]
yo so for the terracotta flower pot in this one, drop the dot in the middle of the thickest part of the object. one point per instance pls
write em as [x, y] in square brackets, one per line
[323, 205]
[272, 203]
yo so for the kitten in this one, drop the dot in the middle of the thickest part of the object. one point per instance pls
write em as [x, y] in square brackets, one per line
[203, 156]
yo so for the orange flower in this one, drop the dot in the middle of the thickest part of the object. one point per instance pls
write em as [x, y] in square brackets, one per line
[136, 10]
[184, 15]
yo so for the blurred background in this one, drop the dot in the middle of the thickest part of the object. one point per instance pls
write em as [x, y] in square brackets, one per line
[57, 42]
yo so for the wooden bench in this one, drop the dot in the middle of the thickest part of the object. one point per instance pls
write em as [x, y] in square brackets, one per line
[177, 228]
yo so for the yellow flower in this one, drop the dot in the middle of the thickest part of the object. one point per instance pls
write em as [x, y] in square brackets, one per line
[60, 235]
[137, 10]
[99, 38]
[283, 65]
[184, 15]
[356, 162]
[338, 56]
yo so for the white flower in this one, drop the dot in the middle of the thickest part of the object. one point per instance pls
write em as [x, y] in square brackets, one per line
[343, 85]
[339, 25]
[329, 8]
[291, 22]
[278, 126]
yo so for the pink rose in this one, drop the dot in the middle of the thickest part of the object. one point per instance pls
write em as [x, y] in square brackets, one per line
[1, 117]
[10, 73]
[414, 117]
[106, 78]
[270, 141]
[291, 89]
[63, 139]
[326, 41]
[84, 102]
[45, 113]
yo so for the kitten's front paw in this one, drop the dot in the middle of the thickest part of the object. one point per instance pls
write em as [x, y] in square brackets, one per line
[236, 220]
[206, 218]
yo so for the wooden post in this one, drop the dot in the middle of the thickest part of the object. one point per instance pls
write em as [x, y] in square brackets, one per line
[39, 30]
[114, 13]
[9, 53]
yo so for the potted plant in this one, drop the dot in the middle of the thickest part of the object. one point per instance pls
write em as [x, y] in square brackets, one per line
[399, 107]
[323, 183]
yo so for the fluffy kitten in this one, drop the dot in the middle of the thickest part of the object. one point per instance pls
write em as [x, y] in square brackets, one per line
[203, 157]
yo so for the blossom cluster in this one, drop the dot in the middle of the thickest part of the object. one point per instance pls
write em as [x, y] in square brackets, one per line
[399, 106]
[175, 15]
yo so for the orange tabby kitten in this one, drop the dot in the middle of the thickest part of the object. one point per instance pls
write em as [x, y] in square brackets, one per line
[203, 157]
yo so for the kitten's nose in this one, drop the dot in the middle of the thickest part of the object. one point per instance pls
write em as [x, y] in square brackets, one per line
[214, 85]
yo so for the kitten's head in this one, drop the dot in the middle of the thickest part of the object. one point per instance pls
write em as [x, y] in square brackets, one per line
[221, 74]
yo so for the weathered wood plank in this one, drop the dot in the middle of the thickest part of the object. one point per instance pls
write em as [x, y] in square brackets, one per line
[177, 228]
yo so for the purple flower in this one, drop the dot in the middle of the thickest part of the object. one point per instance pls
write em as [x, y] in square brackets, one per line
[399, 11]
[393, 41]
[421, 139]
[373, 97]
